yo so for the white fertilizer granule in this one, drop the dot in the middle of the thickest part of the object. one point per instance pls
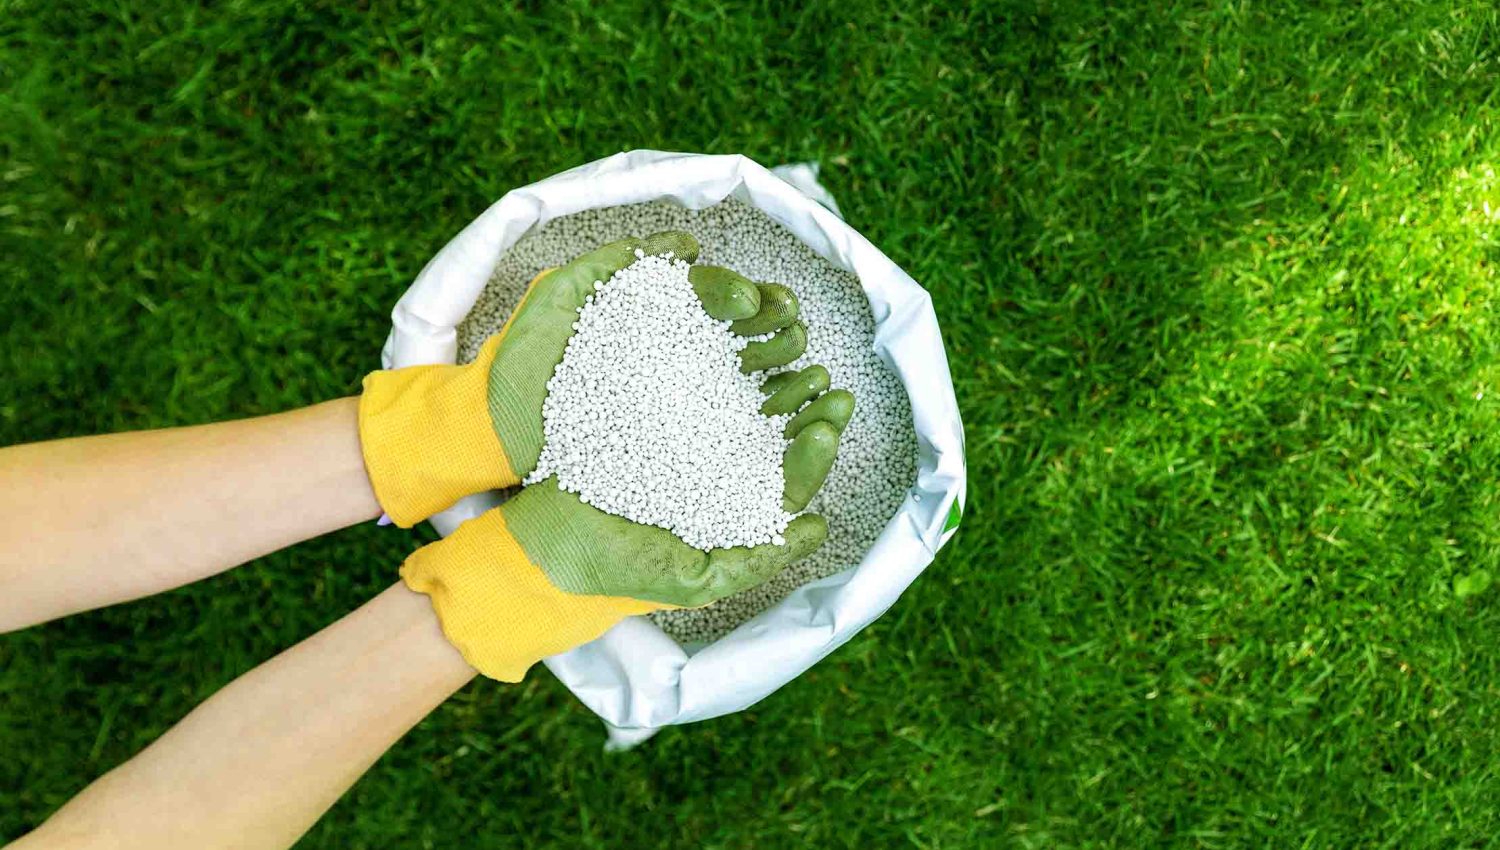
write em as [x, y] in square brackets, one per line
[877, 451]
[648, 416]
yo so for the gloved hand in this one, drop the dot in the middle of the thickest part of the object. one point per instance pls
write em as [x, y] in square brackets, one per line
[545, 572]
[434, 434]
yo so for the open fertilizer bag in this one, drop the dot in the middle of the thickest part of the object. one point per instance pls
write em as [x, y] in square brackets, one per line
[636, 677]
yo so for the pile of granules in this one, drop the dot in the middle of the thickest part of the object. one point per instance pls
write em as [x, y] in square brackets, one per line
[648, 416]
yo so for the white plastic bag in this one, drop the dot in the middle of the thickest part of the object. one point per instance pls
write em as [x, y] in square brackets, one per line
[635, 677]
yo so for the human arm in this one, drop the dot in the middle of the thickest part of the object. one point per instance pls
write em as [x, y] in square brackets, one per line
[259, 762]
[92, 521]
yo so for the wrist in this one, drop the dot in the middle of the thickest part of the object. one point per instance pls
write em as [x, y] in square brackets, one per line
[498, 608]
[427, 440]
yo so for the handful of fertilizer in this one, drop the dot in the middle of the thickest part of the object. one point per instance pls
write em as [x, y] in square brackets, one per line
[877, 450]
[654, 413]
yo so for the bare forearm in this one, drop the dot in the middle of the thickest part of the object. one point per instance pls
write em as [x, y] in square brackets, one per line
[97, 520]
[259, 762]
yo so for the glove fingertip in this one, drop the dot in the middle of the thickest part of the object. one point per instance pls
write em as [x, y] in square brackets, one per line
[806, 463]
[725, 294]
[804, 535]
[679, 243]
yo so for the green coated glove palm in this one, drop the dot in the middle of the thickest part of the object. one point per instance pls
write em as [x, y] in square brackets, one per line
[585, 551]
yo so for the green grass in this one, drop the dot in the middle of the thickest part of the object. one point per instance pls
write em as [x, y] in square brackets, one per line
[1218, 284]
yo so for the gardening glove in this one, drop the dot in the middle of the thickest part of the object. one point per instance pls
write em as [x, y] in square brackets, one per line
[434, 434]
[546, 572]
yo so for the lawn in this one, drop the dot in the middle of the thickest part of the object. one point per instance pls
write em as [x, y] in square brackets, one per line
[1218, 285]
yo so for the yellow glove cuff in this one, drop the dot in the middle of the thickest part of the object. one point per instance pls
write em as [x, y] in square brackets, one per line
[427, 439]
[498, 608]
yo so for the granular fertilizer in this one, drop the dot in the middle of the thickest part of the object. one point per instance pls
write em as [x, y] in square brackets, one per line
[649, 417]
[877, 451]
